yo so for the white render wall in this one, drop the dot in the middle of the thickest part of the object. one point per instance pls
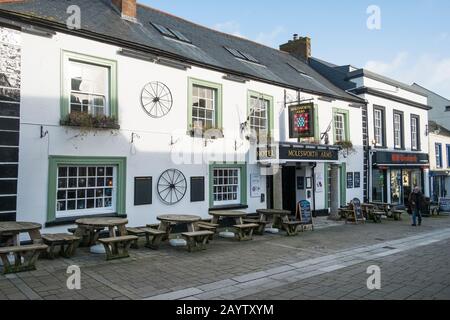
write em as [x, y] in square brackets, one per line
[445, 141]
[151, 153]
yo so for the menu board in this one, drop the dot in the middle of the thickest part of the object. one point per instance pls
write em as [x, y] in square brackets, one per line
[444, 204]
[305, 212]
[357, 209]
[357, 178]
[349, 180]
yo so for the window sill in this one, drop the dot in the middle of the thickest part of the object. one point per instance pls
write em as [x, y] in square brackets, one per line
[71, 220]
[381, 147]
[74, 125]
[229, 207]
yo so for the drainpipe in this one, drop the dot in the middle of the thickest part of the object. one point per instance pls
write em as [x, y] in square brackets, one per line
[313, 167]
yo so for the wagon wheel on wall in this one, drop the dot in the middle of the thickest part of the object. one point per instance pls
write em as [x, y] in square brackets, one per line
[172, 186]
[156, 99]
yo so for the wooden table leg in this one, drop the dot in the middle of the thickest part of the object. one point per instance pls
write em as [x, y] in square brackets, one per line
[35, 236]
[239, 221]
[191, 227]
[215, 220]
[165, 226]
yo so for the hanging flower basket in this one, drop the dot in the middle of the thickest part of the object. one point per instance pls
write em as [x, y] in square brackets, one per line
[88, 121]
[346, 147]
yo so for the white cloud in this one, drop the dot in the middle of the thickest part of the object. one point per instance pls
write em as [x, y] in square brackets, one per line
[268, 38]
[429, 70]
[231, 27]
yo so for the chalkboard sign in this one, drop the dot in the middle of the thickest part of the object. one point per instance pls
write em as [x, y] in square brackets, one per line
[444, 204]
[197, 189]
[357, 209]
[349, 180]
[305, 213]
[357, 178]
[142, 191]
[300, 183]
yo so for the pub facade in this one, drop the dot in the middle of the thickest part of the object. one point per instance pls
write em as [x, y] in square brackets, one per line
[160, 115]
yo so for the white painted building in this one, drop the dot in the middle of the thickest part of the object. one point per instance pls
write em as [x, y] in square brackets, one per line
[151, 88]
[397, 131]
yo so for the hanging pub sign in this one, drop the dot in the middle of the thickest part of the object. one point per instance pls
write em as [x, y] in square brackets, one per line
[301, 121]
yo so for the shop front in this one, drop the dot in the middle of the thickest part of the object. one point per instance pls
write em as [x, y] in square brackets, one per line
[440, 184]
[394, 175]
[306, 172]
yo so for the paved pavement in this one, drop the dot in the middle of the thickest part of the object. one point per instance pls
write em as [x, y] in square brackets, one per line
[329, 263]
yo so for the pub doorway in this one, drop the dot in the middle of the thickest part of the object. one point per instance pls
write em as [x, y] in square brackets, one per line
[289, 188]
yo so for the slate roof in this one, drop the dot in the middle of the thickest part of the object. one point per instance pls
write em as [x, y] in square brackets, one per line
[435, 100]
[341, 76]
[433, 127]
[99, 18]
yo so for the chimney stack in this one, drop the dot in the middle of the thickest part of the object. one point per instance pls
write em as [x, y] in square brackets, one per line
[299, 47]
[127, 9]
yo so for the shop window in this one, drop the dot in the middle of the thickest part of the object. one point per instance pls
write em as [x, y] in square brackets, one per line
[84, 190]
[228, 185]
[85, 186]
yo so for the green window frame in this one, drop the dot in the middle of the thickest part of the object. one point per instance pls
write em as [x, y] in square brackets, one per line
[346, 115]
[67, 56]
[55, 161]
[218, 103]
[270, 113]
[243, 180]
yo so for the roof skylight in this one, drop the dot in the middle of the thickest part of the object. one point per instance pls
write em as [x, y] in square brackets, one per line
[171, 33]
[242, 55]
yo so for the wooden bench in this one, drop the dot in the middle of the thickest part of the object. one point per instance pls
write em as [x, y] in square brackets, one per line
[208, 226]
[117, 247]
[197, 240]
[29, 254]
[67, 244]
[153, 237]
[291, 227]
[261, 225]
[244, 232]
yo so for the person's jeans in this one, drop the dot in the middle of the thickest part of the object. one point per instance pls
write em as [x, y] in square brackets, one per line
[417, 214]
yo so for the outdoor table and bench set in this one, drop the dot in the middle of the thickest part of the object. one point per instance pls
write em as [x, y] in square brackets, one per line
[116, 239]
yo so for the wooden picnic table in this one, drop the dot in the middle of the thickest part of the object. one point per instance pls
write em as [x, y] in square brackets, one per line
[386, 207]
[237, 215]
[275, 215]
[89, 229]
[168, 220]
[11, 231]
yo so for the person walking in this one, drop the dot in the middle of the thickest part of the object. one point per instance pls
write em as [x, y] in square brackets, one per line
[416, 202]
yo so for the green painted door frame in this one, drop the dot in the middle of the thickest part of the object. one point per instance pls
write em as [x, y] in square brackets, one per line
[343, 183]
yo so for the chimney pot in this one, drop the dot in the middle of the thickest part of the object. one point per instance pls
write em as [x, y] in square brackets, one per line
[295, 36]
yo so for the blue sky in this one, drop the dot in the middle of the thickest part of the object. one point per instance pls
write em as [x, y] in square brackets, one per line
[413, 44]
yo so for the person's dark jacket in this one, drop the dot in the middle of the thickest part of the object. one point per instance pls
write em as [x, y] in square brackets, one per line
[416, 201]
